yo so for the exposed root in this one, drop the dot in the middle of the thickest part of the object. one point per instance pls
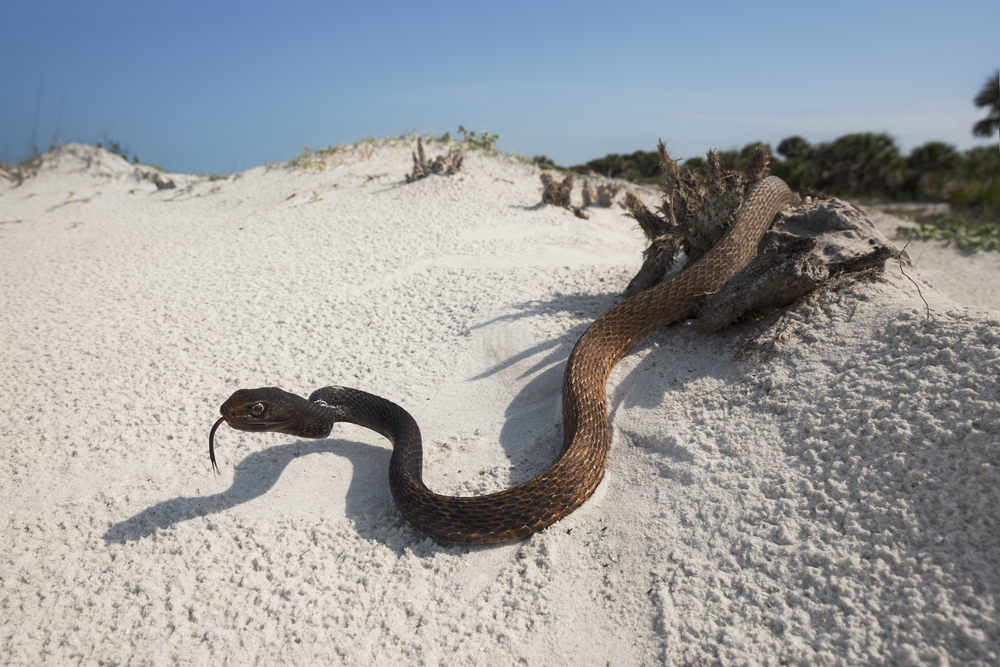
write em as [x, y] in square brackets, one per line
[815, 247]
[444, 165]
[557, 193]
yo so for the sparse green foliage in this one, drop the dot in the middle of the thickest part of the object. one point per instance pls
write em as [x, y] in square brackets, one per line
[118, 149]
[309, 160]
[484, 140]
[963, 232]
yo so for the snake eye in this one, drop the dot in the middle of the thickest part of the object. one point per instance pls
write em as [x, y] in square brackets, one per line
[257, 409]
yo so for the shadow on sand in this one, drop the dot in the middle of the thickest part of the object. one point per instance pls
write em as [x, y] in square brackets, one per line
[256, 474]
[369, 492]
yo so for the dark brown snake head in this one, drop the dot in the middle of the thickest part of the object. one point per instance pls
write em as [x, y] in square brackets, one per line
[264, 409]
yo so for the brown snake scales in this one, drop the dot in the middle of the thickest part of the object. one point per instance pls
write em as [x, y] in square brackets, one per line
[553, 494]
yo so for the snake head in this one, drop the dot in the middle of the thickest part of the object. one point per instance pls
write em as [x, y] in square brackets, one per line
[264, 409]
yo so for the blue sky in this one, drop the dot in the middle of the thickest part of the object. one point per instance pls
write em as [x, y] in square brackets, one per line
[219, 86]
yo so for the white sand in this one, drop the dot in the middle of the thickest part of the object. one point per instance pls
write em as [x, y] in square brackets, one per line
[837, 502]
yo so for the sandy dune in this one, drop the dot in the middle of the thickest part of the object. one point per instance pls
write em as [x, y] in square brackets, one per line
[834, 503]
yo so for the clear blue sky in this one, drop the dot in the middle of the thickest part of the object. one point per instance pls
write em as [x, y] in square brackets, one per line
[221, 86]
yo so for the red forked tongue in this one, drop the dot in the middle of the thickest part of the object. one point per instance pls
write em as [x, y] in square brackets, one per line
[211, 443]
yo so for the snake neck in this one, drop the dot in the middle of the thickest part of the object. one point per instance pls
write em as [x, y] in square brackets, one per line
[344, 404]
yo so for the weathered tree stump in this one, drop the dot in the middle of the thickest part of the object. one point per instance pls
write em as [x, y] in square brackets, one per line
[822, 241]
[444, 165]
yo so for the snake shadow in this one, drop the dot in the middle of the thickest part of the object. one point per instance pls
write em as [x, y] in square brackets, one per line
[368, 501]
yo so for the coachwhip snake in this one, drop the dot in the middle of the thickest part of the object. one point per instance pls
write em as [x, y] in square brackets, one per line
[550, 496]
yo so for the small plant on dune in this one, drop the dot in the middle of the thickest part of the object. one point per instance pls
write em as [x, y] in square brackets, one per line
[543, 162]
[118, 149]
[309, 160]
[963, 232]
[304, 159]
[483, 140]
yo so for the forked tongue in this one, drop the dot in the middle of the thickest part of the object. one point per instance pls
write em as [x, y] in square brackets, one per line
[211, 444]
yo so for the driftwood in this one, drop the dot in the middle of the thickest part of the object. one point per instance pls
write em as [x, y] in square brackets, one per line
[808, 248]
[159, 181]
[557, 193]
[604, 195]
[589, 193]
[445, 165]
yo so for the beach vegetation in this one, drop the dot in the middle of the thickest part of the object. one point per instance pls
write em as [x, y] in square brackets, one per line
[965, 233]
[638, 167]
[544, 162]
[483, 140]
[318, 160]
[864, 166]
[118, 149]
[989, 98]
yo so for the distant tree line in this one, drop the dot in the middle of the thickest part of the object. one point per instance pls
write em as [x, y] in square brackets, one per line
[865, 165]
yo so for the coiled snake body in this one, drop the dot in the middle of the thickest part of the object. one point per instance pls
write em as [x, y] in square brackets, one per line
[574, 475]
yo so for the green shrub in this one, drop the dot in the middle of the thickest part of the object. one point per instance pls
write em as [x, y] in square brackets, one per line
[544, 162]
[639, 167]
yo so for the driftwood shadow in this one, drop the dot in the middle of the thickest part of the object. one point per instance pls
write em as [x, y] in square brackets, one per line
[531, 451]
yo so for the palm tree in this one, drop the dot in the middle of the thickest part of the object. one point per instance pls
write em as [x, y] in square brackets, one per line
[929, 167]
[865, 164]
[989, 96]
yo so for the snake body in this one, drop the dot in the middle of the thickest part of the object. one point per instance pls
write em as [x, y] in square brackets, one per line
[543, 500]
